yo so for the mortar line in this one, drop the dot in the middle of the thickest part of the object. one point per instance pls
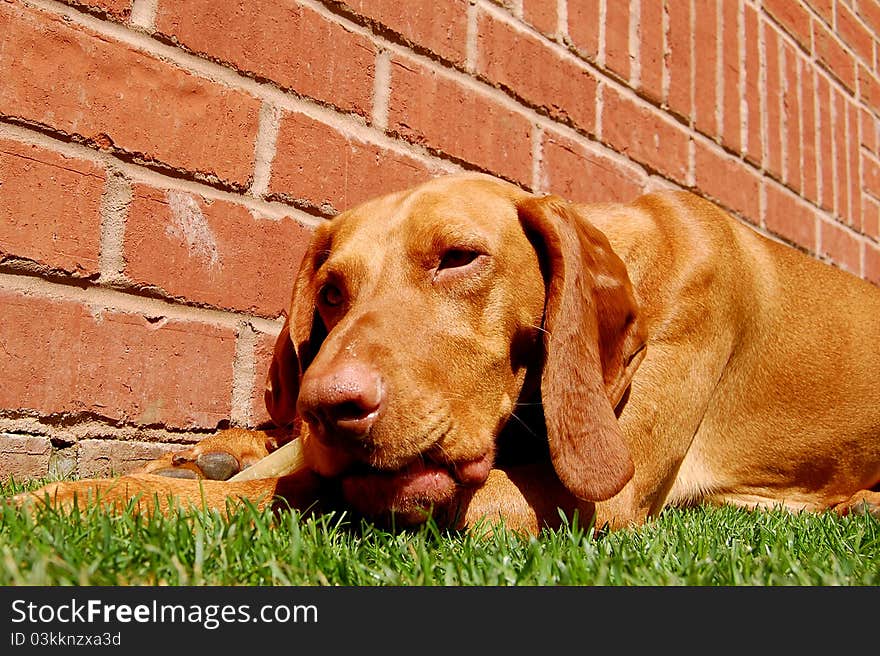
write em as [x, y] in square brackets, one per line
[744, 117]
[763, 100]
[265, 149]
[692, 66]
[782, 66]
[243, 373]
[114, 210]
[562, 21]
[471, 38]
[353, 126]
[817, 138]
[799, 92]
[835, 174]
[115, 300]
[143, 14]
[719, 72]
[382, 90]
[665, 79]
[144, 175]
[634, 45]
[848, 140]
[537, 158]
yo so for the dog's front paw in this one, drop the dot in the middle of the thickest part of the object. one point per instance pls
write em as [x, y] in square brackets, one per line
[864, 502]
[216, 458]
[212, 465]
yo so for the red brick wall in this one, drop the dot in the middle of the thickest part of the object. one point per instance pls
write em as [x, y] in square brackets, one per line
[163, 161]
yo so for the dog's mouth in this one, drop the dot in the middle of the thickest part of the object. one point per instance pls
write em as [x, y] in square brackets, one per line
[423, 487]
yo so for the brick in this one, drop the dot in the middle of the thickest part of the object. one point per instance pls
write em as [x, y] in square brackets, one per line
[706, 100]
[869, 131]
[869, 11]
[24, 457]
[731, 65]
[773, 113]
[118, 9]
[80, 83]
[841, 246]
[552, 82]
[809, 128]
[212, 252]
[793, 18]
[617, 52]
[285, 42]
[790, 218]
[103, 458]
[871, 176]
[753, 146]
[651, 49]
[791, 120]
[123, 367]
[872, 263]
[440, 27]
[321, 167]
[50, 208]
[871, 216]
[869, 89]
[855, 34]
[583, 27]
[728, 180]
[679, 60]
[543, 15]
[433, 110]
[832, 55]
[825, 8]
[826, 143]
[573, 172]
[644, 134]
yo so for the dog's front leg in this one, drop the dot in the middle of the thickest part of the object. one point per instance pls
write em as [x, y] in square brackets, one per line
[219, 456]
[524, 498]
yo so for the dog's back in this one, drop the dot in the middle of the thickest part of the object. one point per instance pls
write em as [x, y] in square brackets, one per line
[791, 345]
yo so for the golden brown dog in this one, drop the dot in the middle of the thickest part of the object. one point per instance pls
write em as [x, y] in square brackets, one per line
[472, 349]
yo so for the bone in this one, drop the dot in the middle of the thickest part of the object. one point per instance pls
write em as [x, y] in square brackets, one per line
[286, 460]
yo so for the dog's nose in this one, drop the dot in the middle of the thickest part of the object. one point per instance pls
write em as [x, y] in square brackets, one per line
[342, 403]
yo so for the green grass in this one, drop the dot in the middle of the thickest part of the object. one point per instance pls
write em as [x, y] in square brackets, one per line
[699, 546]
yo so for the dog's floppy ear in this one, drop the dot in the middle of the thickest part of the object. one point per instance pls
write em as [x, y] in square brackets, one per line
[282, 383]
[593, 345]
[296, 346]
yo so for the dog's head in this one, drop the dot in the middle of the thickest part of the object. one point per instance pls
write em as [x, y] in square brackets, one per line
[415, 323]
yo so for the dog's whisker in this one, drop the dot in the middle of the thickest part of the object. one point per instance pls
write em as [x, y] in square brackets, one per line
[522, 423]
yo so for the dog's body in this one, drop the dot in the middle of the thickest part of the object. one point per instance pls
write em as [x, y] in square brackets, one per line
[660, 352]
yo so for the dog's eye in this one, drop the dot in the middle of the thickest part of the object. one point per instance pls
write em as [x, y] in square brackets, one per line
[331, 295]
[457, 257]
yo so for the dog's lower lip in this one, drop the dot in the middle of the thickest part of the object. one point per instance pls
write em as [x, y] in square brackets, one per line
[421, 484]
[469, 473]
[473, 472]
